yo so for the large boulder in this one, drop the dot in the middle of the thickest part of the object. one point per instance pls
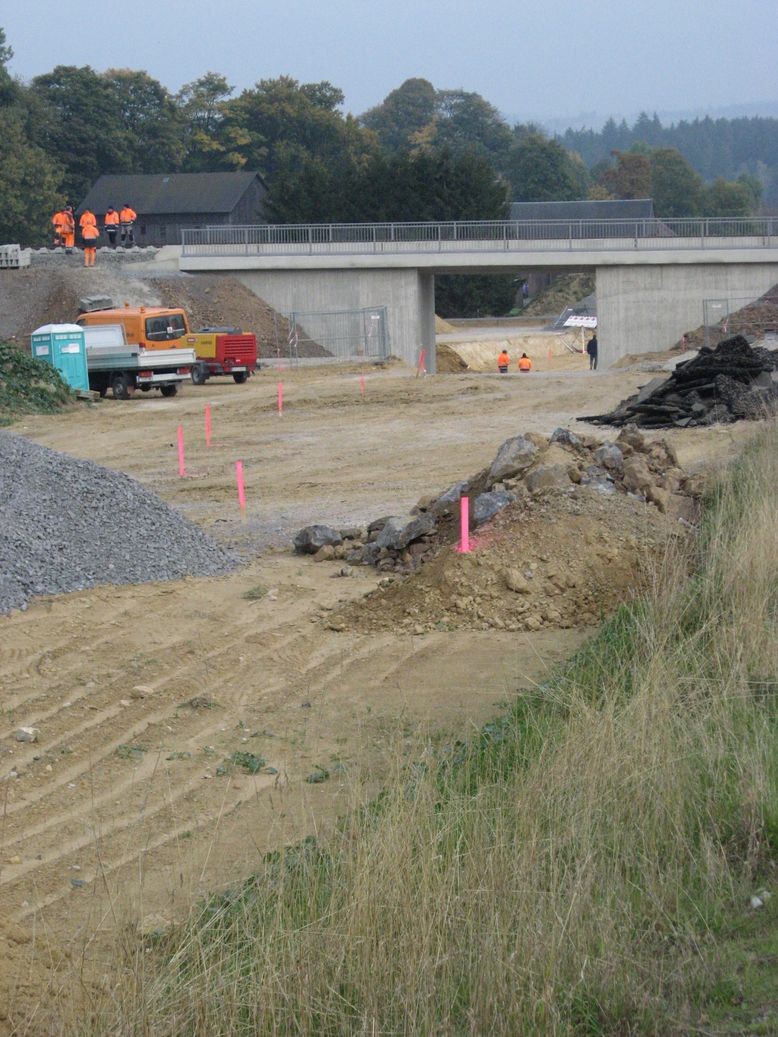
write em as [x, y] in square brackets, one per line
[310, 539]
[401, 530]
[548, 477]
[610, 457]
[514, 456]
[637, 475]
[565, 437]
[486, 505]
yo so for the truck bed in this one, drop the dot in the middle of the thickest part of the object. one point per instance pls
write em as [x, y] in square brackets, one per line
[131, 358]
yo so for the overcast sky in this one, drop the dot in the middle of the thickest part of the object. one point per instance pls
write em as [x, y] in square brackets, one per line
[550, 59]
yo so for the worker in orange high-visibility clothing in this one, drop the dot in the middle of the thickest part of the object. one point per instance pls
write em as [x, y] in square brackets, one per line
[68, 232]
[90, 232]
[111, 223]
[58, 224]
[127, 218]
[86, 219]
[525, 364]
[503, 360]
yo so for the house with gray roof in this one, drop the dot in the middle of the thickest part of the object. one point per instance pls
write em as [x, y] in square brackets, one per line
[585, 209]
[167, 203]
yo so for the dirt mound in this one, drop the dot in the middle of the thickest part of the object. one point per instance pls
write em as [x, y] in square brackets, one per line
[565, 290]
[32, 297]
[562, 561]
[449, 361]
[442, 327]
[754, 321]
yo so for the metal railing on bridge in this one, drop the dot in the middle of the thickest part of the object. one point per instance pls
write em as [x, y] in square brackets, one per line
[479, 236]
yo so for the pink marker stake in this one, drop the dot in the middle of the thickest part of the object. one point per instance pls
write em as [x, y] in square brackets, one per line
[207, 424]
[241, 487]
[464, 525]
[421, 369]
[181, 468]
[280, 399]
[362, 385]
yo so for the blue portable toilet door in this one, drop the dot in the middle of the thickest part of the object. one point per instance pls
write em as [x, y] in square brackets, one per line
[70, 358]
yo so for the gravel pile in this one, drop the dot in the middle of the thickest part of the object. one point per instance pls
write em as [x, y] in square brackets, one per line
[66, 525]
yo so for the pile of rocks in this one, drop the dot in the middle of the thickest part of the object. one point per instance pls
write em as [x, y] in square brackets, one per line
[66, 525]
[723, 384]
[525, 467]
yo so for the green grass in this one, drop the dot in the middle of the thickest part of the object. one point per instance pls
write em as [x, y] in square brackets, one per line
[582, 867]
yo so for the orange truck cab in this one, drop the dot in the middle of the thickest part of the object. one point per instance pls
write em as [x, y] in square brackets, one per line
[150, 327]
[223, 351]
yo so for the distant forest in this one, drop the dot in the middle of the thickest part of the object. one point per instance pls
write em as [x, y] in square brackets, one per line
[726, 148]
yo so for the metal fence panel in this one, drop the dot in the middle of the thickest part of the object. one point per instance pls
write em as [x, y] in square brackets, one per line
[335, 335]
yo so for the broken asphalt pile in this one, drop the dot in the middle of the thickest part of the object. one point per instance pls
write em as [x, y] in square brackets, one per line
[723, 384]
[66, 525]
[560, 527]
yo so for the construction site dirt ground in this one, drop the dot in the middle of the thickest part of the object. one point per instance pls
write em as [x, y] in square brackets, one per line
[124, 811]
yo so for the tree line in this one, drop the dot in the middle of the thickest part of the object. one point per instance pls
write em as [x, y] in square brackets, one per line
[422, 154]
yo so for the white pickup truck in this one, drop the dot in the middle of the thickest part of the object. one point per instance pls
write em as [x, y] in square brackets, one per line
[123, 367]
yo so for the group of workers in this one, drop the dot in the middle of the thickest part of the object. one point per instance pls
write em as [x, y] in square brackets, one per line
[503, 363]
[525, 364]
[121, 223]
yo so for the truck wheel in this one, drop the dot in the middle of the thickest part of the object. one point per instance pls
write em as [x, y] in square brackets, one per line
[240, 377]
[121, 387]
[168, 390]
[199, 374]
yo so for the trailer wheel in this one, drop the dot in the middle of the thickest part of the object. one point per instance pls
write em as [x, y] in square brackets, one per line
[240, 377]
[199, 374]
[121, 387]
[168, 390]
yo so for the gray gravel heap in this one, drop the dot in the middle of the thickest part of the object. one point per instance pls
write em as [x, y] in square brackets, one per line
[66, 525]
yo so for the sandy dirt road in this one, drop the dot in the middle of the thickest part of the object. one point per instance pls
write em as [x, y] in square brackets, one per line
[124, 809]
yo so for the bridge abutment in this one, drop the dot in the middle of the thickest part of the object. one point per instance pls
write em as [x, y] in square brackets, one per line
[646, 308]
[408, 294]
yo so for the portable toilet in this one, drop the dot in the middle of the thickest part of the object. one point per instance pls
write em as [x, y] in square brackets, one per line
[62, 346]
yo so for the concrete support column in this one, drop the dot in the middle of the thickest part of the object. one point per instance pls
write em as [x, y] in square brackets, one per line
[644, 308]
[408, 294]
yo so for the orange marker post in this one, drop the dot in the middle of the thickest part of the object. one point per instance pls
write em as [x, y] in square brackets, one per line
[181, 466]
[207, 424]
[241, 486]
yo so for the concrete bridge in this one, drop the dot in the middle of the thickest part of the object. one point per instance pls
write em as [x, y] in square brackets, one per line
[652, 276]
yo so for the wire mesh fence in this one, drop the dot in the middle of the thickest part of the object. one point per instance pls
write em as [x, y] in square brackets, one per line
[330, 335]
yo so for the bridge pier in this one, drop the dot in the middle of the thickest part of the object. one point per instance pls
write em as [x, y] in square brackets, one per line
[646, 308]
[408, 294]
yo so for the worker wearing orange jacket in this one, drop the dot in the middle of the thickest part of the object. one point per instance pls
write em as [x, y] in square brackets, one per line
[87, 219]
[111, 223]
[58, 225]
[525, 364]
[68, 232]
[127, 218]
[90, 232]
[503, 360]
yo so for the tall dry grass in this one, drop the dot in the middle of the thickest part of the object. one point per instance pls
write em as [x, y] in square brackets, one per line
[567, 873]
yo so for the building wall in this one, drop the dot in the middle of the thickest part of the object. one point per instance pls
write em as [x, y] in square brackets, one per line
[409, 296]
[645, 309]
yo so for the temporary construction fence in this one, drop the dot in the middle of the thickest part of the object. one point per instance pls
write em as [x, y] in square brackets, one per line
[331, 335]
[739, 315]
